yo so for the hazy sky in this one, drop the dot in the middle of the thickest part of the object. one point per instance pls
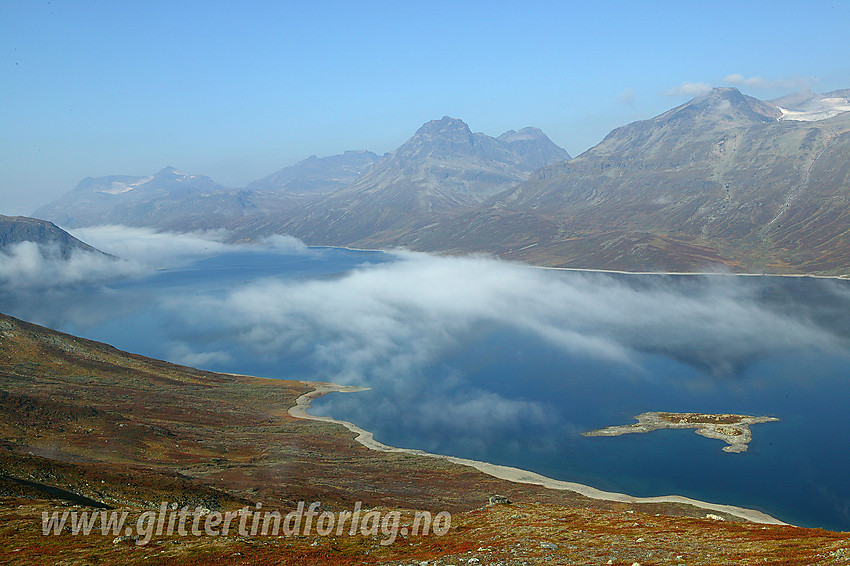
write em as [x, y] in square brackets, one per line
[238, 90]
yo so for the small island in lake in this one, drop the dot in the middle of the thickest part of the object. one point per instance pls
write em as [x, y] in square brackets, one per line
[732, 429]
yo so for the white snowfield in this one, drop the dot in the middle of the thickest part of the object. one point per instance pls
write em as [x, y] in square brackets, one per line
[118, 187]
[819, 110]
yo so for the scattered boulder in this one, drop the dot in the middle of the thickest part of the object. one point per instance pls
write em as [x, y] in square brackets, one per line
[499, 500]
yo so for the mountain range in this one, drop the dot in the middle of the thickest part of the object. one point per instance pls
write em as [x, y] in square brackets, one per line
[442, 171]
[722, 180]
[444, 165]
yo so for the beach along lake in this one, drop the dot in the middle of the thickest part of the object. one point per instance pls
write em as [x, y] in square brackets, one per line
[505, 363]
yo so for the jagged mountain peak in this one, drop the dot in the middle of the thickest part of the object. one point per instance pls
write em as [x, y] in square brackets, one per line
[443, 139]
[446, 128]
[448, 138]
[443, 169]
[526, 134]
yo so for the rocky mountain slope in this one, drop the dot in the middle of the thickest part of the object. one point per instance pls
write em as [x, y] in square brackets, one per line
[53, 242]
[443, 170]
[317, 175]
[720, 179]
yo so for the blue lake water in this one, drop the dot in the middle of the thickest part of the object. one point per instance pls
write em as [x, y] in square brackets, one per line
[510, 364]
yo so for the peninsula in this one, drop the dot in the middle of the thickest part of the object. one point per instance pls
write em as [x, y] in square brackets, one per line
[732, 429]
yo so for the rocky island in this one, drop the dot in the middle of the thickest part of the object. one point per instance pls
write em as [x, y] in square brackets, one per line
[732, 429]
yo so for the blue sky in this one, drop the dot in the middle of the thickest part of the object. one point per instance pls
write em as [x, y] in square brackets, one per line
[238, 90]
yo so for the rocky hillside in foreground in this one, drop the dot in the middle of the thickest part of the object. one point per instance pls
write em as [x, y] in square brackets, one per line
[722, 179]
[86, 427]
[53, 242]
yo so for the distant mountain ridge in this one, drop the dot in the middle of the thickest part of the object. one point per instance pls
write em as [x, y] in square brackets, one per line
[724, 179]
[444, 168]
[168, 199]
[317, 175]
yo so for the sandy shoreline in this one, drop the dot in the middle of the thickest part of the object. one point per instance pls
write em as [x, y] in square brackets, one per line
[614, 271]
[364, 437]
[695, 273]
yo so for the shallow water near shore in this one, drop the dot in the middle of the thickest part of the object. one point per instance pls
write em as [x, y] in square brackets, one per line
[518, 387]
[794, 469]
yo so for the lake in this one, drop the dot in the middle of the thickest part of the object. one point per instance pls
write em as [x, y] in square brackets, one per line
[509, 364]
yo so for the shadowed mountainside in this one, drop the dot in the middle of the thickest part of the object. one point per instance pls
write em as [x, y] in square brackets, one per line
[53, 242]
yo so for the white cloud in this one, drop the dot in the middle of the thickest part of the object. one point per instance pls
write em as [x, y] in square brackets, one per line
[168, 249]
[148, 246]
[392, 326]
[23, 266]
[285, 243]
[389, 325]
[736, 79]
[182, 353]
[690, 89]
[385, 321]
[27, 266]
[627, 97]
[757, 82]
